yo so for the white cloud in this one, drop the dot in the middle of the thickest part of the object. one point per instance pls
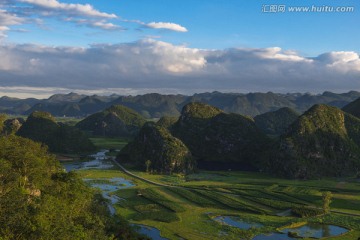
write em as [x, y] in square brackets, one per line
[6, 20]
[167, 26]
[35, 11]
[30, 11]
[150, 64]
[342, 61]
[104, 25]
[69, 8]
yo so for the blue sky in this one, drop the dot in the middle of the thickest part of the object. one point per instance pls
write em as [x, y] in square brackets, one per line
[199, 33]
[215, 24]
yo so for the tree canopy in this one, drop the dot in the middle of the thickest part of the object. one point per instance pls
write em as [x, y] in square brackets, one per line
[38, 200]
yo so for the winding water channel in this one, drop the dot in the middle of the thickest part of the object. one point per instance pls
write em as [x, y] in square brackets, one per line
[109, 186]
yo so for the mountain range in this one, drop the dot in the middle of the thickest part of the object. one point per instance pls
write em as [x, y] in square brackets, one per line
[155, 105]
[322, 142]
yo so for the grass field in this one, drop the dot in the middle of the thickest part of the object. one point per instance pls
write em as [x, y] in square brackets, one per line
[186, 209]
[109, 143]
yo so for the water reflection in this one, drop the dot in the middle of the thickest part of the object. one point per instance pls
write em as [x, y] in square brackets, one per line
[151, 232]
[316, 230]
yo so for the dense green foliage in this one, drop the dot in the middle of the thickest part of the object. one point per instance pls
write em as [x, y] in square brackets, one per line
[305, 212]
[324, 141]
[115, 121]
[38, 200]
[2, 122]
[212, 135]
[166, 153]
[275, 123]
[41, 127]
[326, 197]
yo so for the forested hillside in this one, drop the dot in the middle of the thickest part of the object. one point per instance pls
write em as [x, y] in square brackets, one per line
[38, 200]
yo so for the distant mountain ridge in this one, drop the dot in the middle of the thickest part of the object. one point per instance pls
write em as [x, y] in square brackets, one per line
[156, 105]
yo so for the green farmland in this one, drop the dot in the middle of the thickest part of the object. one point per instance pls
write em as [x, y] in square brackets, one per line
[185, 210]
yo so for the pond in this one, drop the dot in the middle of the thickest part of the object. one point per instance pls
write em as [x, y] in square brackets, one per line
[316, 230]
[151, 232]
[310, 230]
[236, 222]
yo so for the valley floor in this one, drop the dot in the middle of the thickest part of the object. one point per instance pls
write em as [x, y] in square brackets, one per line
[185, 207]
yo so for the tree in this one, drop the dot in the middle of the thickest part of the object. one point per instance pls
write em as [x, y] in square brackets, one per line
[147, 163]
[326, 197]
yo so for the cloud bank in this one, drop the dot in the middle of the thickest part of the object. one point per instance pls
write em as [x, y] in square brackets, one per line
[150, 64]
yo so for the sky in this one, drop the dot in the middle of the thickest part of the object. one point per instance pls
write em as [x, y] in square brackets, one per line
[172, 46]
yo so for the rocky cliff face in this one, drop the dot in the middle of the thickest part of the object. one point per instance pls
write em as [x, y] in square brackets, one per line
[324, 141]
[11, 126]
[155, 149]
